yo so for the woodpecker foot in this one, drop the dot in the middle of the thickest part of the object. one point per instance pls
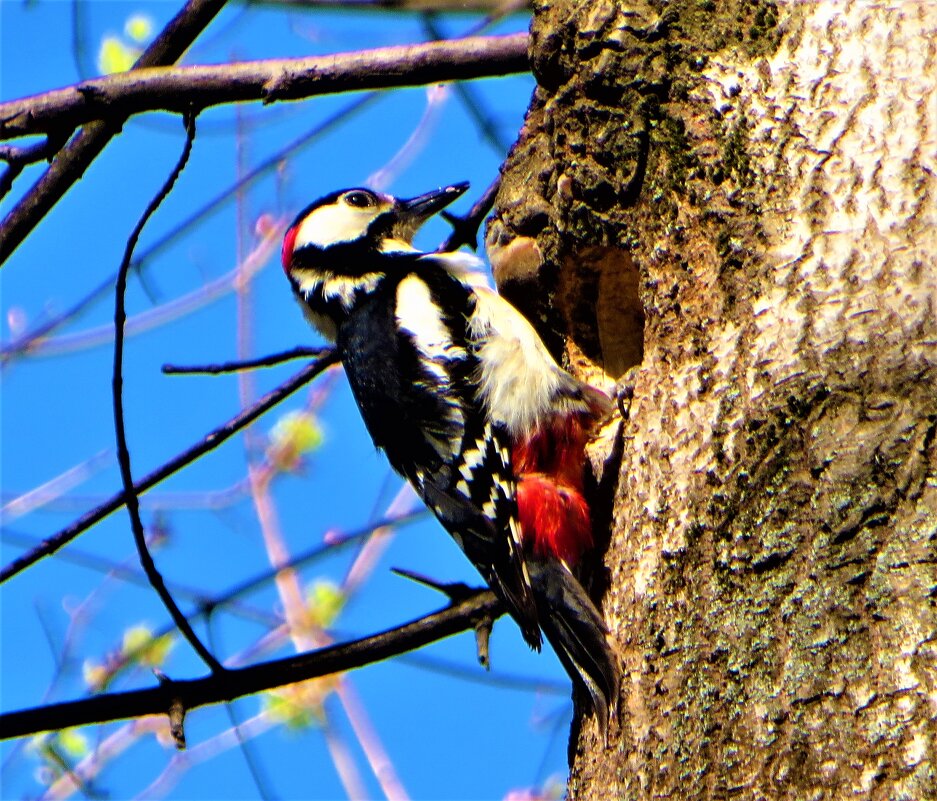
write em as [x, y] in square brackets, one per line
[624, 391]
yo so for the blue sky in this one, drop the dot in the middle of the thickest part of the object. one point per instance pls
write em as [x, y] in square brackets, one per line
[449, 729]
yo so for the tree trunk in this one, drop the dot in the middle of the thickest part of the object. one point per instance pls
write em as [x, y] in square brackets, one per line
[738, 200]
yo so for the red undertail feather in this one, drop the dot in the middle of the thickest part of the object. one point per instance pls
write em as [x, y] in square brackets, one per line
[553, 511]
[554, 518]
[556, 529]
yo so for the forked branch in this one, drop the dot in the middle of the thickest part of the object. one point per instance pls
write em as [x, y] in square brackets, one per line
[198, 87]
[236, 682]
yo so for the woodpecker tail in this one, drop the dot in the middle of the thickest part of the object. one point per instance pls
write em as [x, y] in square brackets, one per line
[577, 632]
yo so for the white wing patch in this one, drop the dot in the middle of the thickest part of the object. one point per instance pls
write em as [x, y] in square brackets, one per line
[470, 460]
[334, 224]
[517, 546]
[518, 378]
[420, 316]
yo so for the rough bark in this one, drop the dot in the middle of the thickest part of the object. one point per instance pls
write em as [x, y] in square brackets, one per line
[738, 200]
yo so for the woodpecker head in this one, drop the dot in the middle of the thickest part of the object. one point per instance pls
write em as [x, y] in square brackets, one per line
[345, 227]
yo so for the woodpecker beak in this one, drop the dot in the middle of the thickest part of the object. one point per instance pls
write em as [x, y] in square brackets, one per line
[412, 213]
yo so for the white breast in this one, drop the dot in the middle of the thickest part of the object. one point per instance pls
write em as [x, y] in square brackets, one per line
[419, 315]
[519, 379]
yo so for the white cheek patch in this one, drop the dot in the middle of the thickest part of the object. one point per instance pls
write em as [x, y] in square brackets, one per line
[332, 225]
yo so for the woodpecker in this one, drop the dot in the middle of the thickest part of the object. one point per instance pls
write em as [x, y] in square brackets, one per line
[457, 389]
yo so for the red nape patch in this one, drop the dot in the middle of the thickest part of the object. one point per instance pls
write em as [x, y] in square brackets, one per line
[554, 519]
[286, 252]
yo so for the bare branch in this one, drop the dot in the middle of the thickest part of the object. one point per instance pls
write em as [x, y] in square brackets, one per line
[132, 502]
[18, 158]
[211, 441]
[74, 158]
[471, 100]
[465, 229]
[29, 154]
[237, 682]
[300, 352]
[198, 87]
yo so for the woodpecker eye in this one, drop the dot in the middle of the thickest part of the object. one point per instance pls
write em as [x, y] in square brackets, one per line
[359, 199]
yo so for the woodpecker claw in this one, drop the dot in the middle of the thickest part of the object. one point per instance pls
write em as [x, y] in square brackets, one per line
[624, 392]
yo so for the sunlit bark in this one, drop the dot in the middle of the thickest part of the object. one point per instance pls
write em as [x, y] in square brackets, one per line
[740, 198]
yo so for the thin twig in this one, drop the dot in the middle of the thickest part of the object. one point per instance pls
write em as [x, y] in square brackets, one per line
[465, 229]
[254, 765]
[453, 590]
[299, 352]
[79, 37]
[181, 88]
[32, 340]
[472, 102]
[172, 310]
[26, 502]
[10, 173]
[18, 158]
[237, 682]
[203, 604]
[123, 452]
[72, 160]
[502, 9]
[209, 442]
[314, 133]
[30, 154]
[385, 175]
[381, 764]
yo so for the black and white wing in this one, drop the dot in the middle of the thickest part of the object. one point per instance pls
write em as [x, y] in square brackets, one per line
[413, 372]
[477, 504]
